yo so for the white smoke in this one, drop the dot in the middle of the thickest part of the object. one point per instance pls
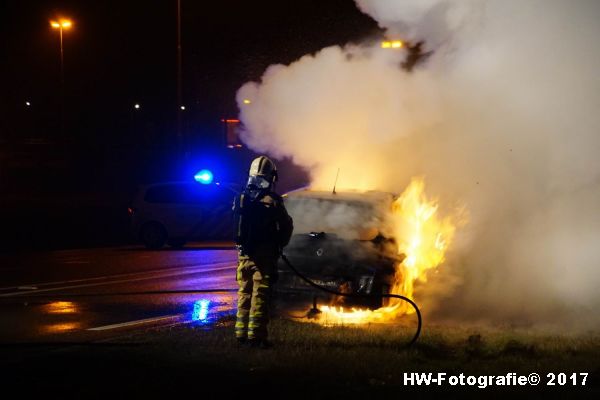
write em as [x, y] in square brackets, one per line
[502, 117]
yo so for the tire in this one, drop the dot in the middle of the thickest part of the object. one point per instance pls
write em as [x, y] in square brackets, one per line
[153, 235]
[177, 243]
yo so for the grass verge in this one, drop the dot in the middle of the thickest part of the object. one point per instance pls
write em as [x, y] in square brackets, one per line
[308, 360]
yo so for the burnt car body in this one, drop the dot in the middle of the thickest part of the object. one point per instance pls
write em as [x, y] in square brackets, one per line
[339, 242]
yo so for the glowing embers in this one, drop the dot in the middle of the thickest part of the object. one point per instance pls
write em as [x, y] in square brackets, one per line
[342, 316]
[200, 312]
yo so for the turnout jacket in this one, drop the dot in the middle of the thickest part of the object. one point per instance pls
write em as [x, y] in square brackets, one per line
[262, 225]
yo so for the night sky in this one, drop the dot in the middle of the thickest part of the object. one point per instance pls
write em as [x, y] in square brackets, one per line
[120, 53]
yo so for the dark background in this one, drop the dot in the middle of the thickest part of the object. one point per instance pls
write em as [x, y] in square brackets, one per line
[71, 186]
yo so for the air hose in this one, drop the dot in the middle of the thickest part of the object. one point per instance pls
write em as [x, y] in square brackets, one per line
[361, 295]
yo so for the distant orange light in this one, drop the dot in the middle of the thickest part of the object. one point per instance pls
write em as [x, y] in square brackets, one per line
[232, 120]
[392, 44]
[62, 24]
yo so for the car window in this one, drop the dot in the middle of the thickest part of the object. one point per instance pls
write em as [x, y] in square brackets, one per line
[188, 194]
[212, 195]
[163, 194]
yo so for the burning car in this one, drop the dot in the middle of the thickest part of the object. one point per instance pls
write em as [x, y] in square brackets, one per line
[341, 241]
[364, 242]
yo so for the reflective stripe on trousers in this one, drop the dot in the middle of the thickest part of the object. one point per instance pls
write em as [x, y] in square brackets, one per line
[253, 298]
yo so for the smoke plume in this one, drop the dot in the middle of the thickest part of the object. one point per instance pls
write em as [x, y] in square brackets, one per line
[502, 118]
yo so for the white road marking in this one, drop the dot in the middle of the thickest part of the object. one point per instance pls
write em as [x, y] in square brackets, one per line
[229, 266]
[119, 275]
[27, 288]
[138, 322]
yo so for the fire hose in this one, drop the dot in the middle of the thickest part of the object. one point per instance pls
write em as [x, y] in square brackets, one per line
[289, 264]
[361, 295]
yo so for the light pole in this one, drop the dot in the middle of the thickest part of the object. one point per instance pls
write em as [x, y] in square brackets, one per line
[180, 143]
[62, 24]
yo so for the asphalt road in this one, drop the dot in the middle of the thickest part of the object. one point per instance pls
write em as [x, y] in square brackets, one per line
[97, 294]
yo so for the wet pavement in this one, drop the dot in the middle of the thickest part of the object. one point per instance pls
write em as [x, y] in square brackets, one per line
[97, 294]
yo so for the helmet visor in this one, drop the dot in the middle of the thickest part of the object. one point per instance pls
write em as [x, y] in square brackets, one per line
[259, 182]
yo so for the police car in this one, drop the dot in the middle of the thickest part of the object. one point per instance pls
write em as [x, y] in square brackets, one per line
[340, 241]
[176, 212]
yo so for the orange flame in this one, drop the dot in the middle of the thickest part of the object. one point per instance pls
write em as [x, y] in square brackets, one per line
[423, 238]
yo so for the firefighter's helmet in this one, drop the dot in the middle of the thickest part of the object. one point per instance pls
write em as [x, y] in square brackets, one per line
[263, 166]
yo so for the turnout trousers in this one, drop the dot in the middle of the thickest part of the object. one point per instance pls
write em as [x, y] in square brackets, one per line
[253, 276]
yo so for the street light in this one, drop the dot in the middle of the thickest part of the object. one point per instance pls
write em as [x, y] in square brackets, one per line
[62, 24]
[136, 106]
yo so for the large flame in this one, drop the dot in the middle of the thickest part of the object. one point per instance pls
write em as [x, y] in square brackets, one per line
[422, 237]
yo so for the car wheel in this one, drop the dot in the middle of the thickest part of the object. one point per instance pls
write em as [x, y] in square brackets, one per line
[177, 243]
[153, 235]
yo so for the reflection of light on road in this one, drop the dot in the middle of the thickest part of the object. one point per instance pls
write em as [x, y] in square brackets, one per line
[60, 307]
[206, 310]
[200, 312]
[63, 327]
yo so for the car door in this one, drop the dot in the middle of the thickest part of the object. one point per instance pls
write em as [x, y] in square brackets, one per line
[172, 205]
[189, 212]
[217, 221]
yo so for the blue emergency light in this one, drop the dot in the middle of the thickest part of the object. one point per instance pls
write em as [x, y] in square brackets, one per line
[204, 176]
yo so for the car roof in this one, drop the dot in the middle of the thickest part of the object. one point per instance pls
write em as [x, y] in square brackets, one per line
[168, 183]
[344, 196]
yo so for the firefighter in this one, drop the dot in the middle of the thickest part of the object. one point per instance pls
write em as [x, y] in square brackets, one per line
[262, 228]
